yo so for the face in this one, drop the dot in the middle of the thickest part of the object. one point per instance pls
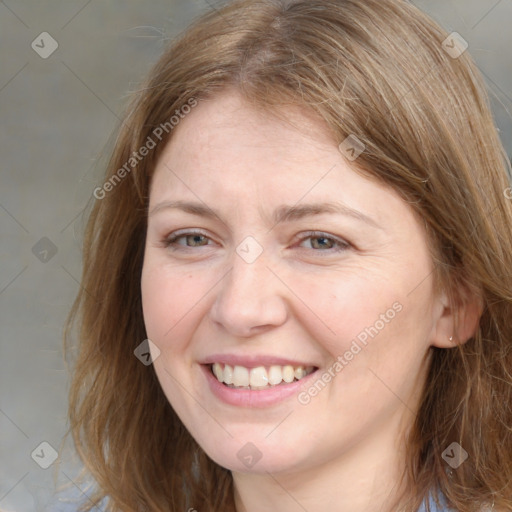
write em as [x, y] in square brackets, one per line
[305, 286]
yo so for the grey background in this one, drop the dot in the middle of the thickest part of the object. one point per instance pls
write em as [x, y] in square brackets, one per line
[57, 115]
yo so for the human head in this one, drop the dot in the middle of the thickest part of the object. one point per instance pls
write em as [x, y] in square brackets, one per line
[414, 107]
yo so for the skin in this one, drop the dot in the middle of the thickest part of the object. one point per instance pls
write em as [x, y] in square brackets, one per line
[302, 298]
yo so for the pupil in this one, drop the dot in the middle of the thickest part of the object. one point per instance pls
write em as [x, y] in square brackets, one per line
[321, 242]
[196, 239]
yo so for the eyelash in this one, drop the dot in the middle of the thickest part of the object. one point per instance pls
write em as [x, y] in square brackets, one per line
[170, 241]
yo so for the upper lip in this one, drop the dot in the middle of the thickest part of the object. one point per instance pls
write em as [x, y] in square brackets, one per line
[253, 361]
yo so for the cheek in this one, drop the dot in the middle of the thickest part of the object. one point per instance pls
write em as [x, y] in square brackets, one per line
[382, 346]
[376, 319]
[345, 304]
[168, 301]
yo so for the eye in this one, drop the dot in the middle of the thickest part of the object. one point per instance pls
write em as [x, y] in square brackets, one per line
[186, 240]
[323, 242]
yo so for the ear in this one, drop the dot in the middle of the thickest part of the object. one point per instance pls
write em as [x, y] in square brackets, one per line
[458, 319]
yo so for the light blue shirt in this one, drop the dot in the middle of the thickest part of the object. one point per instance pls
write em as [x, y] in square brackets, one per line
[435, 508]
[71, 501]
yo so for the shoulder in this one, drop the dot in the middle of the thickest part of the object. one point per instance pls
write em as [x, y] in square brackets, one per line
[443, 505]
[70, 500]
[439, 505]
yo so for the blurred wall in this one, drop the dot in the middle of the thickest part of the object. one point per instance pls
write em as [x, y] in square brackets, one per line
[61, 96]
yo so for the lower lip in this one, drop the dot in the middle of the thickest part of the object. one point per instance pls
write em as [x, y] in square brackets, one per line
[254, 398]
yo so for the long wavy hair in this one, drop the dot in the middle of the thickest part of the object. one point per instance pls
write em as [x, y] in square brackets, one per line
[377, 69]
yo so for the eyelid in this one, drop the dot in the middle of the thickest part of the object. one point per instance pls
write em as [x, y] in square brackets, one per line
[172, 237]
[343, 244]
[186, 231]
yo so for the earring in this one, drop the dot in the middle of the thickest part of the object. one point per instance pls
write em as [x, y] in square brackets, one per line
[451, 338]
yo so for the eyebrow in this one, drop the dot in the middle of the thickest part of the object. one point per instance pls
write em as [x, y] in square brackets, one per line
[283, 213]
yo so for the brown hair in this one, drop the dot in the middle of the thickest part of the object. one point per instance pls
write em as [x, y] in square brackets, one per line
[376, 69]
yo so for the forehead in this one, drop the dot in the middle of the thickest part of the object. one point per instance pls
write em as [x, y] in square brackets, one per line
[228, 124]
[227, 152]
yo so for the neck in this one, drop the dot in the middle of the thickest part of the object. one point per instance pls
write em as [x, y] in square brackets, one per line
[366, 478]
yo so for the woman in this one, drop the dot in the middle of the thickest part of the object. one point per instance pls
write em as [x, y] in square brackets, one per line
[296, 286]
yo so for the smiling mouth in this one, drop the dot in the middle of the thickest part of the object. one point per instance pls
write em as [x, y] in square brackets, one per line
[259, 378]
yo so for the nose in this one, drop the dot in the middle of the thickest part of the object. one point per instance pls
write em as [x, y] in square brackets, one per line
[250, 299]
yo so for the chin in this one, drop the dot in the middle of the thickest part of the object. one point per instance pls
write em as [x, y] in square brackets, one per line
[253, 457]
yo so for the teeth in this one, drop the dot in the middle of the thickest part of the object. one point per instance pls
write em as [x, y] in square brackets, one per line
[299, 372]
[259, 377]
[275, 375]
[240, 376]
[288, 374]
[228, 374]
[217, 371]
